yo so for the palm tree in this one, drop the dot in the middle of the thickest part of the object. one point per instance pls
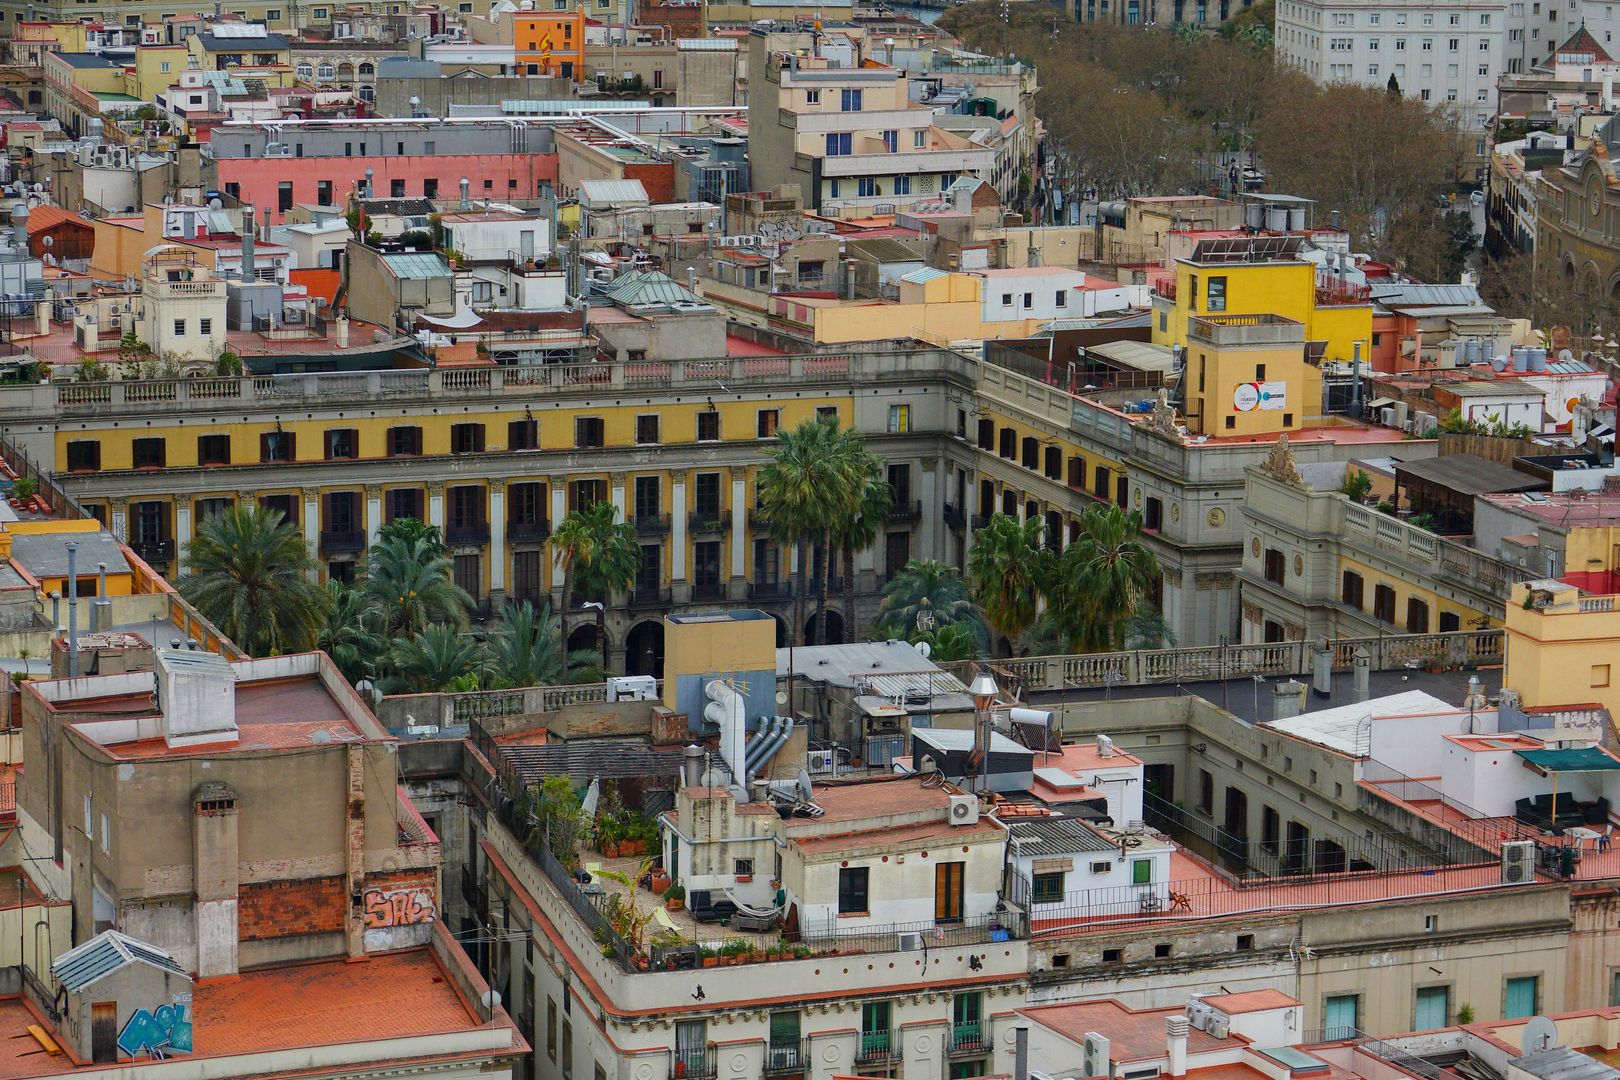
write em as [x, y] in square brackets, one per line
[1007, 569]
[350, 636]
[435, 659]
[601, 556]
[411, 530]
[859, 527]
[525, 651]
[251, 575]
[408, 578]
[799, 488]
[952, 641]
[1101, 578]
[932, 586]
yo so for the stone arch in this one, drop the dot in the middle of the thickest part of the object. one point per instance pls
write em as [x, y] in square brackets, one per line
[644, 649]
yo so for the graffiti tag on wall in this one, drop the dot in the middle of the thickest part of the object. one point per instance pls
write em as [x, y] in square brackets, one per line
[398, 907]
[158, 1032]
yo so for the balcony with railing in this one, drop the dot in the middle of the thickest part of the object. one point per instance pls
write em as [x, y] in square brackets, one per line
[528, 532]
[694, 1063]
[649, 598]
[787, 1057]
[154, 552]
[709, 590]
[904, 511]
[342, 541]
[770, 590]
[970, 1037]
[981, 521]
[759, 518]
[474, 532]
[652, 524]
[877, 1047]
[954, 515]
[709, 521]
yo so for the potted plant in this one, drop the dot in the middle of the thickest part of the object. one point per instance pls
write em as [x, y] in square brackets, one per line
[660, 880]
[710, 956]
[609, 836]
[675, 897]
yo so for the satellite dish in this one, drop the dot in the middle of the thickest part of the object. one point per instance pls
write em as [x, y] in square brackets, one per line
[781, 697]
[804, 785]
[491, 999]
[924, 648]
[216, 204]
[1540, 1034]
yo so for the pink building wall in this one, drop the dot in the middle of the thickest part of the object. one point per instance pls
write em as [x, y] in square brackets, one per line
[510, 176]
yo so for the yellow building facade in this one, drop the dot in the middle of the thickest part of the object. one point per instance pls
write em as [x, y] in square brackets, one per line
[1559, 646]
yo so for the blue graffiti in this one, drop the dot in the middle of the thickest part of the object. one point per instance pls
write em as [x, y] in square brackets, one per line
[157, 1032]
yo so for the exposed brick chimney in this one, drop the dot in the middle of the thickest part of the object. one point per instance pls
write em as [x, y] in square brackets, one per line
[214, 862]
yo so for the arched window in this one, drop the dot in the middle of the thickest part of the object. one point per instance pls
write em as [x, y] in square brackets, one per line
[325, 71]
[305, 71]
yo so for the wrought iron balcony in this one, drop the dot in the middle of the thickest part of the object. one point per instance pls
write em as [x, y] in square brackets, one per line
[770, 590]
[154, 552]
[876, 1047]
[528, 532]
[648, 598]
[954, 516]
[474, 533]
[339, 541]
[909, 510]
[652, 524]
[969, 1038]
[709, 521]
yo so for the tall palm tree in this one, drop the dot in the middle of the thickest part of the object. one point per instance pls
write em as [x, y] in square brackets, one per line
[250, 573]
[861, 521]
[408, 579]
[411, 530]
[434, 660]
[800, 485]
[1007, 569]
[350, 635]
[1101, 578]
[600, 556]
[938, 588]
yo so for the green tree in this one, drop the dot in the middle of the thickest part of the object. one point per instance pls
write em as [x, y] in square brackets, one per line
[249, 572]
[525, 650]
[1357, 485]
[412, 530]
[861, 518]
[1007, 569]
[1147, 628]
[952, 641]
[350, 635]
[927, 585]
[433, 659]
[600, 556]
[1101, 578]
[802, 487]
[408, 579]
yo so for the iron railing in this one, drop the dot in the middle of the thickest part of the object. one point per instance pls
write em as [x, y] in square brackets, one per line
[877, 1047]
[474, 533]
[969, 1037]
[334, 541]
[708, 521]
[709, 590]
[528, 532]
[652, 524]
[909, 510]
[1377, 1048]
[647, 598]
[954, 516]
[787, 1057]
[694, 1063]
[153, 552]
[770, 590]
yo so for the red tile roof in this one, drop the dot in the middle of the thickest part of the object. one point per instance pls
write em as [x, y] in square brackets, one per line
[1582, 42]
[1250, 1001]
[41, 218]
[1133, 1034]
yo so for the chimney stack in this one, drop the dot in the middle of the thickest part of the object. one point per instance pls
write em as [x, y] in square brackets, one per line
[248, 270]
[466, 198]
[1361, 684]
[1175, 1038]
[1021, 1052]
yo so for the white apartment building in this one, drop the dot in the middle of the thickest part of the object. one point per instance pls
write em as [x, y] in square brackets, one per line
[1448, 55]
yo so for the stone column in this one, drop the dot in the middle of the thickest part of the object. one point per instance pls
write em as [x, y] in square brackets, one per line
[182, 531]
[435, 490]
[118, 518]
[374, 516]
[616, 482]
[680, 588]
[559, 510]
[312, 527]
[930, 492]
[739, 530]
[497, 543]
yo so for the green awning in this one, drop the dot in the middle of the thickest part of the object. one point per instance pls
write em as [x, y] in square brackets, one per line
[1579, 759]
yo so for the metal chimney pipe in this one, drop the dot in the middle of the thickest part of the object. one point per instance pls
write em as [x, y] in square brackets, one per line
[248, 223]
[466, 198]
[19, 227]
[1021, 1052]
[73, 607]
[101, 579]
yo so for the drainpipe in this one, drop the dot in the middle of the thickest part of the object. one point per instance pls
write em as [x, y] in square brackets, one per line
[73, 608]
[776, 744]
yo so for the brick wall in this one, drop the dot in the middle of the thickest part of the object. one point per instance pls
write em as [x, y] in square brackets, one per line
[290, 908]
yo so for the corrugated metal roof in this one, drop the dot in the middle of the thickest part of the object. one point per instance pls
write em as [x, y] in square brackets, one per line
[1141, 355]
[651, 287]
[1054, 836]
[922, 275]
[104, 954]
[1406, 293]
[1558, 367]
[687, 44]
[602, 193]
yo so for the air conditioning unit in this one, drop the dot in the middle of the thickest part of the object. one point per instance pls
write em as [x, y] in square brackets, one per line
[1096, 1056]
[909, 941]
[1220, 1026]
[964, 809]
[819, 761]
[1198, 1013]
[1518, 862]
